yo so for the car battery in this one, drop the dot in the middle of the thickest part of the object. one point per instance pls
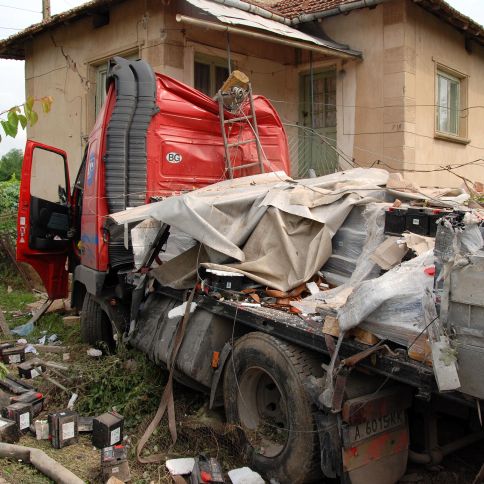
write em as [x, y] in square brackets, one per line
[9, 431]
[36, 399]
[15, 354]
[63, 428]
[30, 369]
[225, 280]
[395, 221]
[114, 463]
[5, 346]
[417, 221]
[20, 413]
[206, 470]
[107, 430]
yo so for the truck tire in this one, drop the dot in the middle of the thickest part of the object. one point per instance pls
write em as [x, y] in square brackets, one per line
[96, 328]
[264, 395]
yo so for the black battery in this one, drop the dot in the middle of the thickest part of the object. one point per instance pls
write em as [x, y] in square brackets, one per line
[36, 399]
[20, 413]
[206, 470]
[225, 280]
[114, 463]
[30, 369]
[9, 432]
[5, 346]
[15, 354]
[395, 221]
[63, 428]
[107, 430]
[417, 221]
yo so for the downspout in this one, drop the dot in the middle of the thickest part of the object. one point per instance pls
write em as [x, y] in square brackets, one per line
[248, 7]
[341, 9]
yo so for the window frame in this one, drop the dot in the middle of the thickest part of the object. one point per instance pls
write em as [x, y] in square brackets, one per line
[213, 62]
[452, 75]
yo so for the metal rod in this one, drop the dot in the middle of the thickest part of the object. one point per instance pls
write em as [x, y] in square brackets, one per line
[229, 59]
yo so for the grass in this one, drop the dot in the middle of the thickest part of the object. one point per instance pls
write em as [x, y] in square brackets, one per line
[127, 382]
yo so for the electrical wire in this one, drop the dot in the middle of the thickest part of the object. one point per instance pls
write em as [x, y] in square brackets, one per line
[20, 8]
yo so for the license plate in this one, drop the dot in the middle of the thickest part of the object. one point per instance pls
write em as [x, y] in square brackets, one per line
[375, 426]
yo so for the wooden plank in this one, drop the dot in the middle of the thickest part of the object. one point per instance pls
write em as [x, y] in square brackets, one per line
[236, 78]
[363, 336]
[331, 326]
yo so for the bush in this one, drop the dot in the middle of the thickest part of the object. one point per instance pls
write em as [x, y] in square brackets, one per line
[9, 193]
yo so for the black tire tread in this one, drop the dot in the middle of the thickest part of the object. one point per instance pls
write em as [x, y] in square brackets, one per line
[304, 364]
[94, 329]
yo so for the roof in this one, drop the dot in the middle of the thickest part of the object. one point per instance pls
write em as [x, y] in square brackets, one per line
[13, 46]
[294, 8]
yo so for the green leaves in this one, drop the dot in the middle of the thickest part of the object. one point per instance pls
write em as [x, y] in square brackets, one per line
[24, 115]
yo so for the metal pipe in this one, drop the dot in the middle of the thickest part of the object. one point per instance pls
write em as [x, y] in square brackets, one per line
[341, 9]
[247, 7]
[268, 38]
[435, 456]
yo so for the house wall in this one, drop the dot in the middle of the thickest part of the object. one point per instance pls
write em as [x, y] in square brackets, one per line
[393, 90]
[63, 63]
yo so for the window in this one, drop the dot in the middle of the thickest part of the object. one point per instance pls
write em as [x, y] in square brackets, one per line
[210, 74]
[101, 74]
[451, 104]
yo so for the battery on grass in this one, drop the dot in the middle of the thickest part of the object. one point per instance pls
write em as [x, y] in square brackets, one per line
[20, 413]
[114, 463]
[63, 428]
[13, 355]
[36, 399]
[9, 431]
[107, 430]
[5, 346]
[206, 470]
[30, 369]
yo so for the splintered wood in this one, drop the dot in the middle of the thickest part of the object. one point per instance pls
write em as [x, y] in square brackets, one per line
[236, 79]
[419, 349]
[331, 327]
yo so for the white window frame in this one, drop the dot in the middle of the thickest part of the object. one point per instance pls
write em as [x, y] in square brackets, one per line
[446, 133]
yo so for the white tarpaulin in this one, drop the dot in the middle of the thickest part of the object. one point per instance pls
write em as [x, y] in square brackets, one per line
[273, 229]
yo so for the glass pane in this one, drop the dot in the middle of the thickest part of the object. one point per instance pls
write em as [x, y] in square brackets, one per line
[454, 107]
[202, 77]
[221, 74]
[48, 177]
[448, 104]
[442, 102]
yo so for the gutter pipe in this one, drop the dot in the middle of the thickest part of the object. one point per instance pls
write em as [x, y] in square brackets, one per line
[248, 7]
[341, 9]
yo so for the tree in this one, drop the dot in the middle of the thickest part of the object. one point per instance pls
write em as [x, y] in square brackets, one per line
[11, 164]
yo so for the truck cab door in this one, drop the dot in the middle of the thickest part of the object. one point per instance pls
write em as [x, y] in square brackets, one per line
[44, 216]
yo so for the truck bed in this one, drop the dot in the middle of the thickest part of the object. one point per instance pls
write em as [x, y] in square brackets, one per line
[309, 334]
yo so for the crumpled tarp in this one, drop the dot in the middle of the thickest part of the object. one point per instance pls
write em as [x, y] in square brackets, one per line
[273, 229]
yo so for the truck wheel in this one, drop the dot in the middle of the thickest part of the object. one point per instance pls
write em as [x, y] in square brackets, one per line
[96, 328]
[264, 395]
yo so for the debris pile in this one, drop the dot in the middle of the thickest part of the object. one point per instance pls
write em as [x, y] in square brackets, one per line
[353, 250]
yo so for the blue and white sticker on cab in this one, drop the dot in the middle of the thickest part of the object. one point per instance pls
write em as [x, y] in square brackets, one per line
[91, 165]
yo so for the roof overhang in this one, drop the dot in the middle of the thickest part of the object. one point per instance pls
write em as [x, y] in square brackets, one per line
[236, 21]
